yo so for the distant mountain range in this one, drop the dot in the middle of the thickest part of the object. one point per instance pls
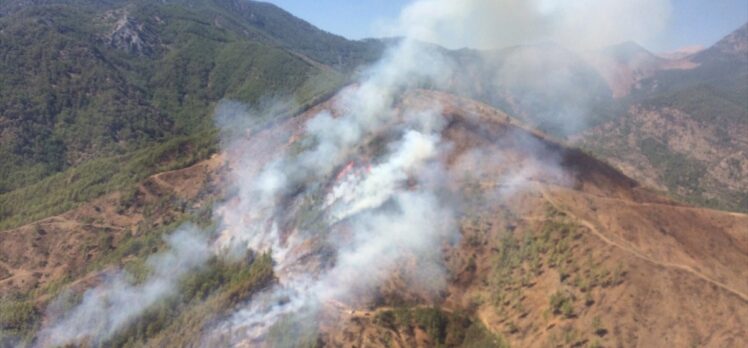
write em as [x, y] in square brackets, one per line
[685, 126]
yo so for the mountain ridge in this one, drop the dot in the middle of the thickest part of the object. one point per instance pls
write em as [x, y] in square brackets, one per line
[592, 220]
[581, 254]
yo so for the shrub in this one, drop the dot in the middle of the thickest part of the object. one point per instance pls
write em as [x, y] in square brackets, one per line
[562, 303]
[16, 315]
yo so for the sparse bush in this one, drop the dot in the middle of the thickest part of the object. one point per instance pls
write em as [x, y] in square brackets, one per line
[570, 335]
[588, 299]
[512, 327]
[597, 327]
[567, 309]
[562, 303]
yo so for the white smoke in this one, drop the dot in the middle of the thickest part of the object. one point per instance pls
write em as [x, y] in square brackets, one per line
[493, 24]
[378, 186]
[515, 165]
[115, 302]
[414, 229]
[377, 219]
[372, 222]
[536, 54]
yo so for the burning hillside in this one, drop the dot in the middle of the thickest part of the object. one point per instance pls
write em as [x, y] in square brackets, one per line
[384, 215]
[396, 215]
[365, 217]
[351, 267]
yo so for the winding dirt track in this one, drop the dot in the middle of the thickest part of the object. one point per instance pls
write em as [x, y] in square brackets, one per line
[631, 250]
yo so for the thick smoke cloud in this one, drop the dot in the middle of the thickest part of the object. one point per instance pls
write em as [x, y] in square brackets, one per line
[372, 221]
[492, 24]
[551, 87]
[541, 59]
[354, 196]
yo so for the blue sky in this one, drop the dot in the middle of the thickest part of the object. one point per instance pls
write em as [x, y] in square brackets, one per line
[693, 22]
[703, 22]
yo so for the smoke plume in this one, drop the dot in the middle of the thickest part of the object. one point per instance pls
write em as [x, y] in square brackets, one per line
[540, 59]
[494, 24]
[117, 300]
[345, 197]
[369, 218]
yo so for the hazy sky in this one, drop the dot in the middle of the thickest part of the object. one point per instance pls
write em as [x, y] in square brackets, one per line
[693, 22]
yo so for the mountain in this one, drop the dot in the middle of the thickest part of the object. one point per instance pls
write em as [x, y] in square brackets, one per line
[203, 173]
[301, 37]
[721, 66]
[684, 130]
[730, 48]
[625, 66]
[99, 83]
[682, 52]
[557, 263]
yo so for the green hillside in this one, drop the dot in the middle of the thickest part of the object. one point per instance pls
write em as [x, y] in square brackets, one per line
[101, 81]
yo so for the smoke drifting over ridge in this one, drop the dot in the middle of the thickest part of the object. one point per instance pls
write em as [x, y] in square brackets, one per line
[493, 24]
[355, 193]
[540, 58]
